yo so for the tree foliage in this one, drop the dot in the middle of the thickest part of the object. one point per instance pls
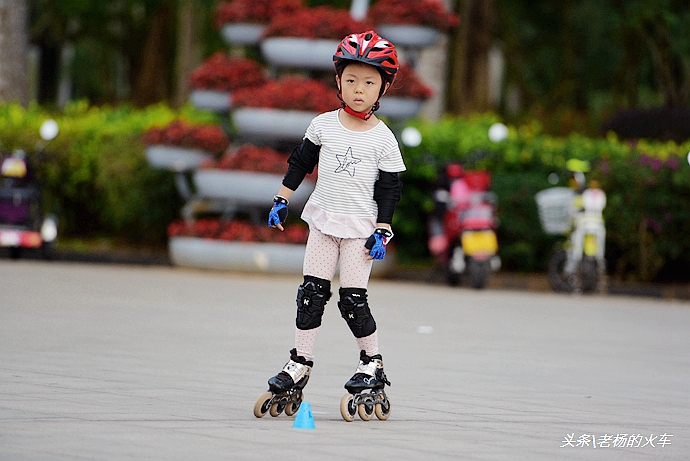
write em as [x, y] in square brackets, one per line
[597, 54]
[593, 56]
[122, 50]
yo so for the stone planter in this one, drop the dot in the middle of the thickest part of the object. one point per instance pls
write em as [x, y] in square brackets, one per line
[409, 35]
[217, 101]
[274, 258]
[305, 53]
[247, 188]
[242, 33]
[175, 158]
[262, 123]
[399, 108]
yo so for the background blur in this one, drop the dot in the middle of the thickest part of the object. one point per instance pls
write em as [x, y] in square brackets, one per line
[602, 80]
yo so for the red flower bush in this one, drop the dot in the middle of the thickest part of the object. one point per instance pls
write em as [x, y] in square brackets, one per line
[223, 73]
[251, 158]
[237, 231]
[210, 138]
[253, 11]
[290, 93]
[409, 85]
[320, 22]
[430, 13]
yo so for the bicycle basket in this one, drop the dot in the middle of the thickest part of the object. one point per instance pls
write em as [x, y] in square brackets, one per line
[555, 207]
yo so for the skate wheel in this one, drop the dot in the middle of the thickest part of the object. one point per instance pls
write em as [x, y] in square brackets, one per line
[276, 409]
[262, 404]
[366, 410]
[292, 408]
[348, 409]
[383, 409]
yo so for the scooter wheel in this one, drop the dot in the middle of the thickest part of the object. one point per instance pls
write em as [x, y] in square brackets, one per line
[589, 274]
[478, 272]
[559, 280]
[452, 277]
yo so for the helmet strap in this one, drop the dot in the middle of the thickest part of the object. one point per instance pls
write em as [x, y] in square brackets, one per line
[354, 113]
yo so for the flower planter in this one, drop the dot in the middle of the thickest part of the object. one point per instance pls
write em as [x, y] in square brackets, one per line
[274, 258]
[262, 123]
[247, 188]
[305, 53]
[217, 101]
[400, 108]
[175, 158]
[277, 258]
[242, 33]
[409, 35]
[179, 134]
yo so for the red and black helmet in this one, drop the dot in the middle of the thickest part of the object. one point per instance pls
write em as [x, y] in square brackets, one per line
[368, 48]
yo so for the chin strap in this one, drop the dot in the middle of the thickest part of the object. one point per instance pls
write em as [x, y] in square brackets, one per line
[354, 113]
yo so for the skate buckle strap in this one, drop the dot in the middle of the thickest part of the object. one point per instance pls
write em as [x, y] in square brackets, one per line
[297, 371]
[369, 367]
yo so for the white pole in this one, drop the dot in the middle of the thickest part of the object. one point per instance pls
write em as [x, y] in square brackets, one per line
[358, 9]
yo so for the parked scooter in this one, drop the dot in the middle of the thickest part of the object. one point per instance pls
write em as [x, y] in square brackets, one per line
[22, 222]
[462, 230]
[577, 264]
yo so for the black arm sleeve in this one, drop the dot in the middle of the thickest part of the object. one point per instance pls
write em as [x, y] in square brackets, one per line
[387, 192]
[302, 162]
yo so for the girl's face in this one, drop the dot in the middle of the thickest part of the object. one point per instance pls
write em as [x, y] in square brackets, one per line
[360, 85]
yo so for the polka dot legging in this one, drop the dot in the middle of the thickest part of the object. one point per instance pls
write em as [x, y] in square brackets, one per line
[323, 253]
[321, 258]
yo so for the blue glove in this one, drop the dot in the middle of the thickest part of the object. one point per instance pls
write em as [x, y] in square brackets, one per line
[376, 243]
[279, 212]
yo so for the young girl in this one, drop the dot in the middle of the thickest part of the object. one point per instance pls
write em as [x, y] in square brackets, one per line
[350, 210]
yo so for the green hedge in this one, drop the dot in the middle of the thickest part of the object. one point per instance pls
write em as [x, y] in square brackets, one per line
[95, 175]
[647, 185]
[98, 182]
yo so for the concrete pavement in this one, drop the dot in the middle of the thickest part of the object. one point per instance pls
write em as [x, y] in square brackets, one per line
[103, 362]
[500, 280]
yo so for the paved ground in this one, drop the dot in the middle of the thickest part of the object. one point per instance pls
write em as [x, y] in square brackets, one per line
[105, 362]
[429, 275]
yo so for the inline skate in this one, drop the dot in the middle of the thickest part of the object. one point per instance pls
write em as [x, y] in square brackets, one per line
[285, 389]
[366, 396]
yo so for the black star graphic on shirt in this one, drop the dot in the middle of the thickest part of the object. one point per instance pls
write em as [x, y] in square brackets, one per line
[347, 162]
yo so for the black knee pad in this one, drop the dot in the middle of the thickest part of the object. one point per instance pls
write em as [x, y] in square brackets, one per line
[355, 310]
[312, 296]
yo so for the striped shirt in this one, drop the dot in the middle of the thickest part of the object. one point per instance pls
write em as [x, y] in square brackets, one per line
[342, 203]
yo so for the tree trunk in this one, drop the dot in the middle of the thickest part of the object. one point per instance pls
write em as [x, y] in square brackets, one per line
[151, 82]
[14, 51]
[567, 92]
[469, 79]
[624, 88]
[671, 68]
[186, 43]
